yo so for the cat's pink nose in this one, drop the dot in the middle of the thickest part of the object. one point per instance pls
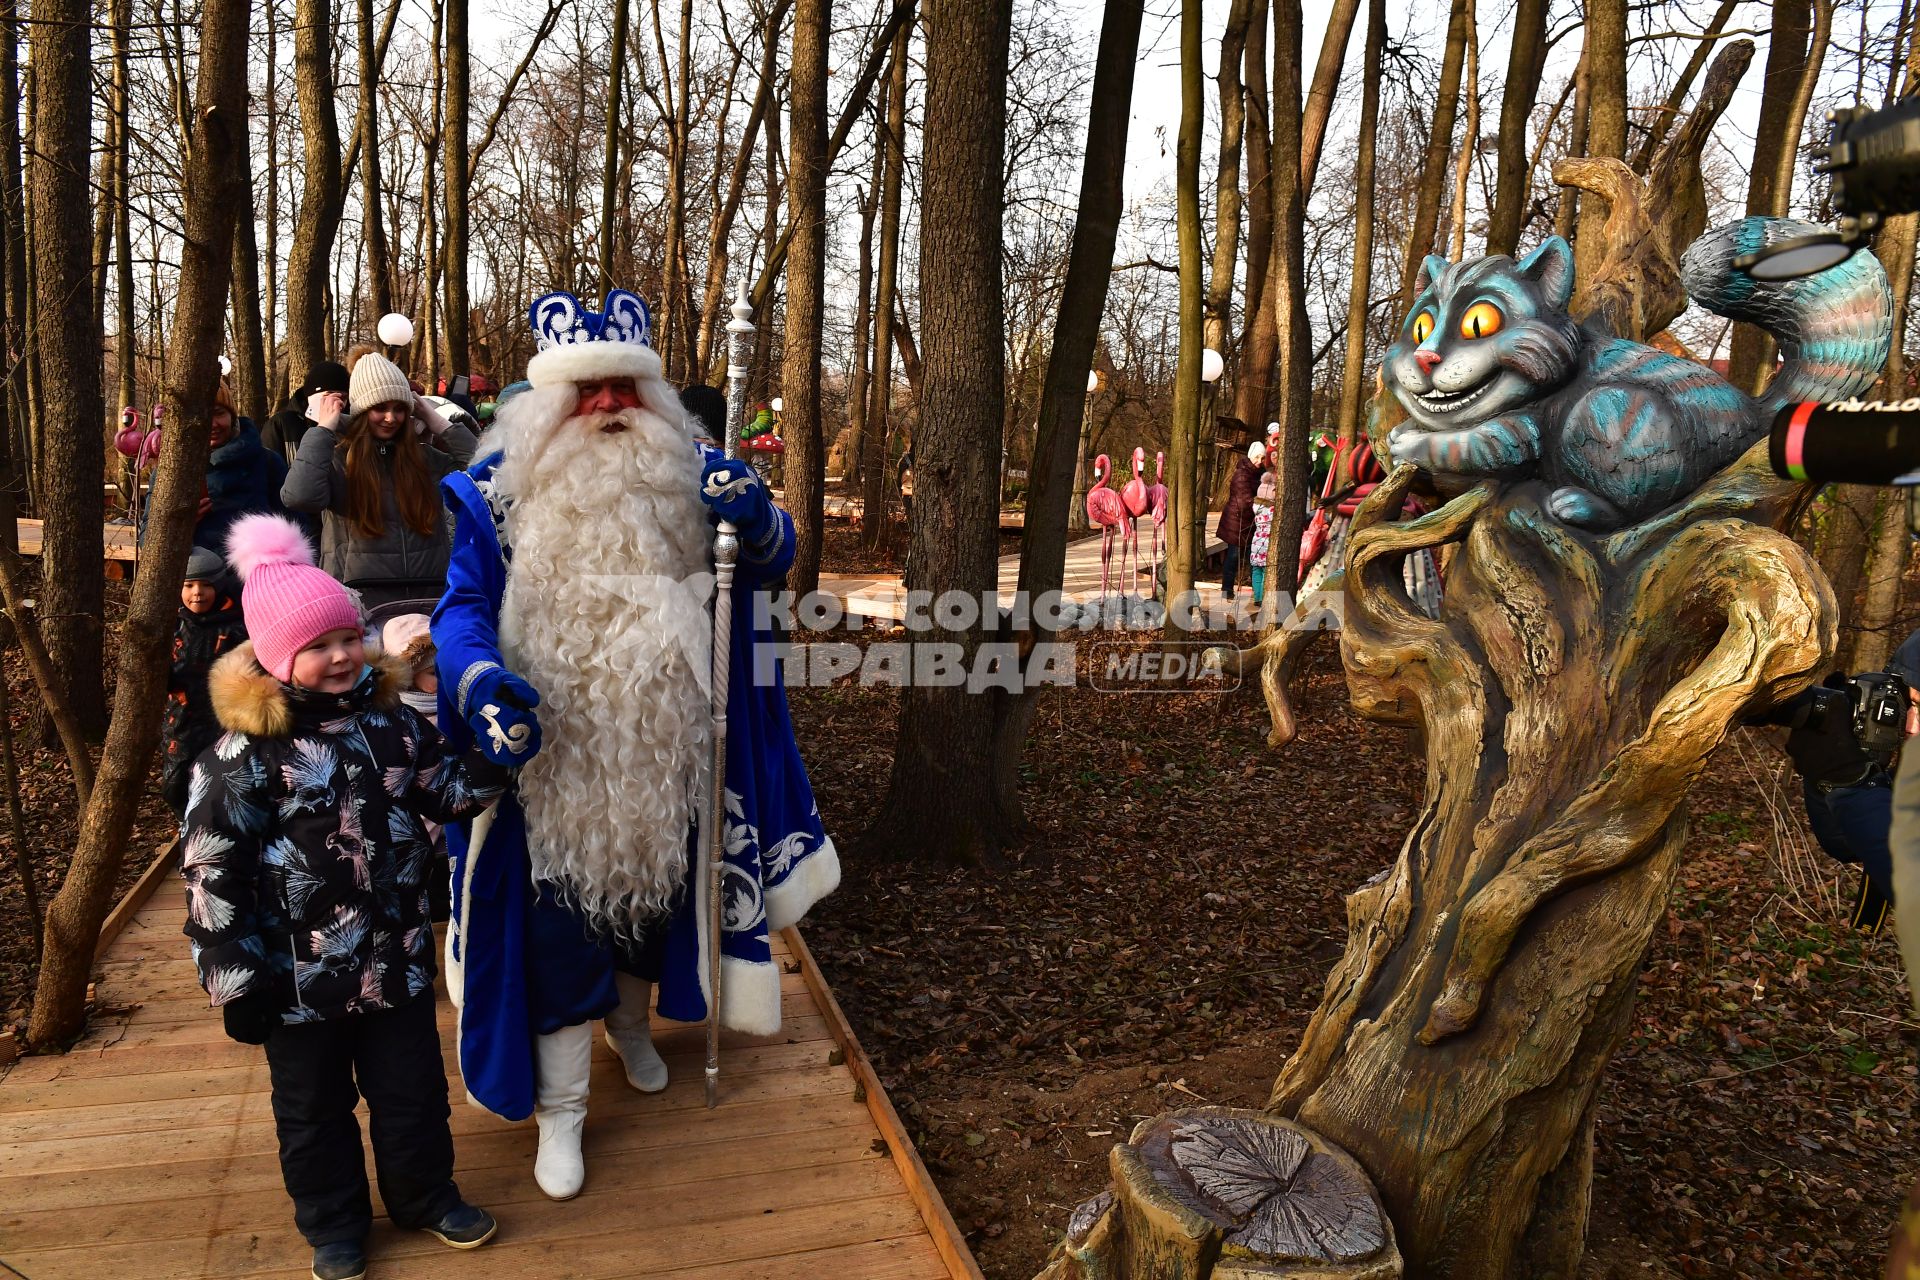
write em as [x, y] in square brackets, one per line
[1427, 360]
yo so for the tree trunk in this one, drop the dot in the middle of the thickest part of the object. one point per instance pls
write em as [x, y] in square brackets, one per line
[1500, 976]
[126, 345]
[1566, 217]
[1354, 371]
[1059, 443]
[1457, 215]
[249, 332]
[311, 257]
[14, 216]
[1526, 56]
[1253, 381]
[940, 802]
[278, 379]
[73, 595]
[859, 376]
[1434, 166]
[1752, 353]
[1844, 544]
[379, 264]
[610, 164]
[676, 275]
[459, 358]
[712, 312]
[1892, 551]
[1288, 275]
[1185, 517]
[875, 477]
[213, 198]
[1318, 106]
[1218, 332]
[1606, 59]
[804, 467]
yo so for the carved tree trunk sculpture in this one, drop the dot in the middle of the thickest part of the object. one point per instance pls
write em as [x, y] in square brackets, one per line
[1569, 692]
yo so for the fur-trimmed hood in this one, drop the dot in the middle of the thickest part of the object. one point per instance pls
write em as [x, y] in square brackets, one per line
[246, 699]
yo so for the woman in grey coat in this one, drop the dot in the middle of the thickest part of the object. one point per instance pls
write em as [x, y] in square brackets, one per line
[377, 479]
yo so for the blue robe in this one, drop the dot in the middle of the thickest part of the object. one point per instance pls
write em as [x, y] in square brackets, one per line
[520, 965]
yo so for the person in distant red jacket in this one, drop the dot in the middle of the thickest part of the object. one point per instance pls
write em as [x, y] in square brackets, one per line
[1236, 518]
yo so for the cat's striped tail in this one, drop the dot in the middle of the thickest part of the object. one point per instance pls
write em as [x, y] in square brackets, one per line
[1834, 327]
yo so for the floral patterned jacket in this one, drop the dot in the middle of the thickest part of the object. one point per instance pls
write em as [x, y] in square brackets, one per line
[304, 853]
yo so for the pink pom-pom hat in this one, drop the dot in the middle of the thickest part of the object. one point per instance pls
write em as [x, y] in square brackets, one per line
[287, 601]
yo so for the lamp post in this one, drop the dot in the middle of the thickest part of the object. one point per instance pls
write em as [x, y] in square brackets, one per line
[1077, 510]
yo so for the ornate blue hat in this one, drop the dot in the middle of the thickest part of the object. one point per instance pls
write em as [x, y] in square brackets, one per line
[580, 345]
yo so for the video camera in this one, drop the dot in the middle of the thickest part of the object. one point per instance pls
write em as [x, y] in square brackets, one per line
[1873, 158]
[1873, 703]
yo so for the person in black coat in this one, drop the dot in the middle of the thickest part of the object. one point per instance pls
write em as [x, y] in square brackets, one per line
[210, 625]
[284, 429]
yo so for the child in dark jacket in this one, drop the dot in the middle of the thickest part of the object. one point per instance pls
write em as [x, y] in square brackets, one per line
[305, 863]
[210, 625]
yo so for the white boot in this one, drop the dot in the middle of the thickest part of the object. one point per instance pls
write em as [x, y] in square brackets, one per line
[631, 1037]
[562, 1065]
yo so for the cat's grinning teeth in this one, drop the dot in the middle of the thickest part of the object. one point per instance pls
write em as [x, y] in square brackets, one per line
[1434, 402]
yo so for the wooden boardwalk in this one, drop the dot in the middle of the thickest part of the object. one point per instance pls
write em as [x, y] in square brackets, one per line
[149, 1151]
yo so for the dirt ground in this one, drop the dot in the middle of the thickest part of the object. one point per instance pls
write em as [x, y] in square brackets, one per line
[1163, 938]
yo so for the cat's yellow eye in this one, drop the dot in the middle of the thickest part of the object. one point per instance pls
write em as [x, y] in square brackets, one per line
[1422, 326]
[1482, 320]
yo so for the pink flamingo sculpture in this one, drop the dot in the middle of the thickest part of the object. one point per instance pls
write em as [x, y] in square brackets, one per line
[1103, 509]
[1157, 503]
[1134, 499]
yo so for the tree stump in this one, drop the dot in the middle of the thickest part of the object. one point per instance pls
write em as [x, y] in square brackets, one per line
[1234, 1195]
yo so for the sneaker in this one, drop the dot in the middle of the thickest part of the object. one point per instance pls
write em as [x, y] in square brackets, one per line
[463, 1227]
[345, 1260]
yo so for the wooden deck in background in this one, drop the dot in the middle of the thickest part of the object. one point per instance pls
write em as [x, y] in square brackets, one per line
[149, 1151]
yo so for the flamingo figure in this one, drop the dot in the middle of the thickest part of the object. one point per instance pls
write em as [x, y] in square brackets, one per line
[1134, 499]
[1157, 503]
[1103, 509]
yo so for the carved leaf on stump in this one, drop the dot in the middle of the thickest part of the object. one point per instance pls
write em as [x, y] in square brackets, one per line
[1291, 1201]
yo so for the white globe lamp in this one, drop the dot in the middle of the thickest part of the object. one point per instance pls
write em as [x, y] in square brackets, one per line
[1212, 365]
[395, 330]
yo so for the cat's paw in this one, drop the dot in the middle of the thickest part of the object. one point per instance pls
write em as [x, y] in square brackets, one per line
[1584, 509]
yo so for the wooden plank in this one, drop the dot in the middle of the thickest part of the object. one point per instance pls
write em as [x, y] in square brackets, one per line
[595, 1234]
[502, 1185]
[99, 1107]
[947, 1239]
[124, 1047]
[907, 1258]
[128, 907]
[497, 1144]
[245, 1126]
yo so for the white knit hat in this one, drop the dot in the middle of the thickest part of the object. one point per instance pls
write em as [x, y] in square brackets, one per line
[376, 380]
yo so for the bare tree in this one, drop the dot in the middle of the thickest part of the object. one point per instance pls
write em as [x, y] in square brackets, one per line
[73, 599]
[1226, 199]
[1353, 372]
[807, 166]
[880, 387]
[940, 801]
[322, 190]
[379, 266]
[213, 198]
[1185, 501]
[249, 335]
[1253, 380]
[1606, 62]
[1287, 284]
[1434, 166]
[458, 175]
[1527, 54]
[610, 166]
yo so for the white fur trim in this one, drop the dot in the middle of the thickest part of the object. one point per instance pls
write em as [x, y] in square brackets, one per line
[817, 876]
[749, 996]
[586, 361]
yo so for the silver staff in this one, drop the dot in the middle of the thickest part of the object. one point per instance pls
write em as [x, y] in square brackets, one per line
[726, 550]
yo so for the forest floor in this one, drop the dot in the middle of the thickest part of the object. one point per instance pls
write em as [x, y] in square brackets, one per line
[1162, 940]
[1163, 936]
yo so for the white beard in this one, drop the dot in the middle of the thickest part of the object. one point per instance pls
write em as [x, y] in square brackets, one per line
[605, 615]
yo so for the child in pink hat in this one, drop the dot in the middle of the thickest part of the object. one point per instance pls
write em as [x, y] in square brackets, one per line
[307, 860]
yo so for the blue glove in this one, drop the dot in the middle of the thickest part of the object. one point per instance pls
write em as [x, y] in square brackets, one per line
[499, 709]
[732, 490]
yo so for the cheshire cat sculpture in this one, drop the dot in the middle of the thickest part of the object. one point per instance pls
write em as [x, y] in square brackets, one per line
[1499, 381]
